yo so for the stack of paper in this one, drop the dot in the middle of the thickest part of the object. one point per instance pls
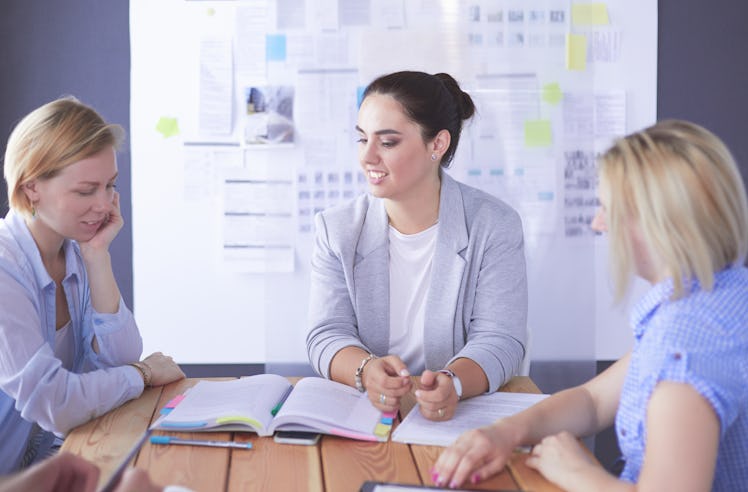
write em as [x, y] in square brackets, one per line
[472, 413]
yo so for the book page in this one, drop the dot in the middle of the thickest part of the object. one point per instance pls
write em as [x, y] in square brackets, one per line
[471, 413]
[210, 404]
[328, 407]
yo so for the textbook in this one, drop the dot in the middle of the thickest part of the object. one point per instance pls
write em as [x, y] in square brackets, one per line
[268, 402]
[470, 414]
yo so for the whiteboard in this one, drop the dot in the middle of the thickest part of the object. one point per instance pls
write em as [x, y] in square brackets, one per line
[242, 127]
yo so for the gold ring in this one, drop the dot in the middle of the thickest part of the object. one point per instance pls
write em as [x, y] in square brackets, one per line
[382, 399]
[440, 413]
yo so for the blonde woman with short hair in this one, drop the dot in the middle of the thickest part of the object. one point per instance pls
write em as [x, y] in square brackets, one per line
[69, 347]
[674, 205]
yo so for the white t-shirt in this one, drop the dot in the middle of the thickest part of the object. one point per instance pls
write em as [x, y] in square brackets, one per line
[410, 278]
[65, 345]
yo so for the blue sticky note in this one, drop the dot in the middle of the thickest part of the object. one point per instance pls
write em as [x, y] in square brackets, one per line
[275, 47]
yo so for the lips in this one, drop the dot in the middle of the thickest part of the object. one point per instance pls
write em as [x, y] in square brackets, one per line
[375, 177]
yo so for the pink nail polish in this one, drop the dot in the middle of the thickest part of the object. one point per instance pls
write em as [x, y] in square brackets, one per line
[452, 484]
[474, 479]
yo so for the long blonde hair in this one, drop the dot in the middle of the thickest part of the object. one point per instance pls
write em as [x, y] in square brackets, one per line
[680, 182]
[51, 138]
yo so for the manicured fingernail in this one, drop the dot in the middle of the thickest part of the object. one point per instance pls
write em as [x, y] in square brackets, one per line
[474, 479]
[434, 477]
[418, 393]
[404, 372]
[452, 484]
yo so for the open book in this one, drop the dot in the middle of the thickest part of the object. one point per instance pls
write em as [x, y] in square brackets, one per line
[268, 402]
[470, 414]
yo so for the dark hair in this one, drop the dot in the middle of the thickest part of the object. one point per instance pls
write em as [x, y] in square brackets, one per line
[434, 102]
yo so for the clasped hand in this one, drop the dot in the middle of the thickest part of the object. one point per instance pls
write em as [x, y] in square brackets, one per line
[387, 380]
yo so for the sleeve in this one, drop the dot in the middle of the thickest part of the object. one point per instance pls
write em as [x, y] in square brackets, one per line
[497, 332]
[44, 392]
[116, 333]
[332, 318]
[712, 369]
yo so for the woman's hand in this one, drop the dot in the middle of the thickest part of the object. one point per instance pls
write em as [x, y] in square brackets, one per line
[476, 455]
[559, 458]
[110, 227]
[437, 396]
[163, 369]
[386, 380]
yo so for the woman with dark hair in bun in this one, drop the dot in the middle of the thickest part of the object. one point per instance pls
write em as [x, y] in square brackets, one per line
[423, 275]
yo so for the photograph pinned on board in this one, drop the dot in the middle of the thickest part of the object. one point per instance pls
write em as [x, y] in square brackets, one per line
[269, 115]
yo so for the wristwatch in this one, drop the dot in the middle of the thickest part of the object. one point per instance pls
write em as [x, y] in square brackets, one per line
[455, 381]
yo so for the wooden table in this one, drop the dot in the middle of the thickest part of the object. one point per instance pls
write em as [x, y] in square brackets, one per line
[335, 464]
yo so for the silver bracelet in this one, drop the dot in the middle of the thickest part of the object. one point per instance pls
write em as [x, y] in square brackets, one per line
[360, 372]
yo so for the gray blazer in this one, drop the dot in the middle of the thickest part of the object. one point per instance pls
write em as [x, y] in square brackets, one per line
[477, 302]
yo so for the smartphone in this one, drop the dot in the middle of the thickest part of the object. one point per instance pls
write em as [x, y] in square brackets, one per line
[296, 437]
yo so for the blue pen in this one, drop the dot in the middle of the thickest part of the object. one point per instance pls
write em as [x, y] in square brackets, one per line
[278, 405]
[196, 442]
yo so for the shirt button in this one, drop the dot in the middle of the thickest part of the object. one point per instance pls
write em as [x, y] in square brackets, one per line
[677, 356]
[623, 432]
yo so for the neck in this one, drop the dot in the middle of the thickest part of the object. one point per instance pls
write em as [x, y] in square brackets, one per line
[416, 212]
[48, 242]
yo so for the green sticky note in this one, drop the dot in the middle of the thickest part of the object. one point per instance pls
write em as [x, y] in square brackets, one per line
[589, 14]
[538, 133]
[552, 93]
[576, 52]
[167, 127]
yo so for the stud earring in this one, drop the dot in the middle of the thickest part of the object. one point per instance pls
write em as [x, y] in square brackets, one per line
[433, 157]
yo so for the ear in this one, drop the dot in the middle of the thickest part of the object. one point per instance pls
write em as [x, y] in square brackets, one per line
[440, 143]
[30, 190]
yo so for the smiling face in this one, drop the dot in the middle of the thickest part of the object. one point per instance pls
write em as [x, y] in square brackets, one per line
[393, 155]
[76, 202]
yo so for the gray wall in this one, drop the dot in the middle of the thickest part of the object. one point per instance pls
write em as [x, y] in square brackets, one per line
[72, 47]
[81, 47]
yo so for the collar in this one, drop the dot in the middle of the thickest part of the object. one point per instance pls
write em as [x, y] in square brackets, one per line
[22, 235]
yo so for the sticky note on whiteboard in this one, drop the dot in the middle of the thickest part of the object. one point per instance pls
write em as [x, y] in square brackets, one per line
[538, 133]
[552, 93]
[589, 14]
[168, 127]
[576, 52]
[275, 47]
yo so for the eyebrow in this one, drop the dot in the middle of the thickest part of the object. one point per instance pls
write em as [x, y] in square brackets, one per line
[386, 131]
[95, 183]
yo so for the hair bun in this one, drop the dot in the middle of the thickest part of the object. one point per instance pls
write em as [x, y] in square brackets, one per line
[465, 104]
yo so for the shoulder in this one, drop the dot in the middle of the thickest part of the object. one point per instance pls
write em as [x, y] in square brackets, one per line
[340, 220]
[12, 255]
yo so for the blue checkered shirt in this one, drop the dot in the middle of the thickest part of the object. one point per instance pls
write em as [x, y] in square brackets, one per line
[701, 340]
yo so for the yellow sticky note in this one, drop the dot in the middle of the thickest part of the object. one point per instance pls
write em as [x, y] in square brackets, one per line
[167, 127]
[576, 52]
[589, 14]
[552, 93]
[538, 133]
[382, 430]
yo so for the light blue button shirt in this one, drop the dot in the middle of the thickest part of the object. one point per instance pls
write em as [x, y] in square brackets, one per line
[701, 340]
[35, 387]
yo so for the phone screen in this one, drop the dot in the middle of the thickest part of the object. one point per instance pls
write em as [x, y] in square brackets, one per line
[296, 437]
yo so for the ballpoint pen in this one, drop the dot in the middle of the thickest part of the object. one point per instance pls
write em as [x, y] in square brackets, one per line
[197, 442]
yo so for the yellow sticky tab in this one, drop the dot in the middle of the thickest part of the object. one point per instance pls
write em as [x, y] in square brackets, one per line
[235, 419]
[552, 93]
[576, 52]
[168, 127]
[538, 133]
[382, 430]
[589, 14]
